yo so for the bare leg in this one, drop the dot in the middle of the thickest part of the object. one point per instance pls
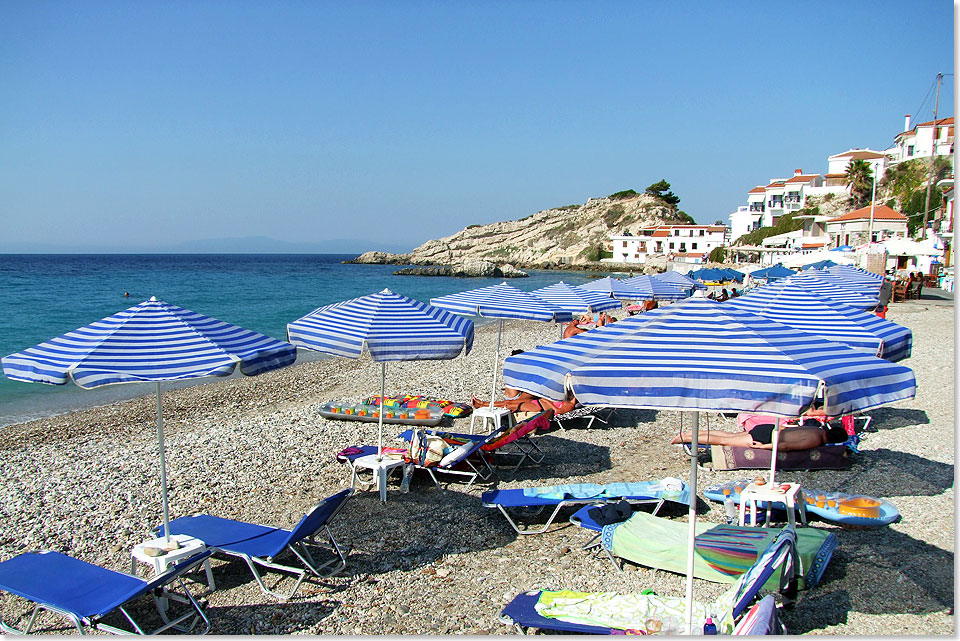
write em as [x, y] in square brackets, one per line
[714, 437]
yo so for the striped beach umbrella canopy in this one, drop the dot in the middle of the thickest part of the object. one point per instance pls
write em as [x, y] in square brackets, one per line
[684, 281]
[576, 299]
[701, 355]
[391, 327]
[851, 273]
[150, 342]
[500, 302]
[616, 288]
[815, 314]
[818, 285]
[654, 288]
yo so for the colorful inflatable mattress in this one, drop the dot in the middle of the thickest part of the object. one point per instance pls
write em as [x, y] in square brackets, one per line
[839, 507]
[429, 417]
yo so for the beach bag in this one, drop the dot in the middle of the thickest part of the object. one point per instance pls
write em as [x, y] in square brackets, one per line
[425, 449]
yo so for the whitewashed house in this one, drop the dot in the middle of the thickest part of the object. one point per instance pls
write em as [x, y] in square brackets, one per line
[679, 243]
[855, 227]
[934, 137]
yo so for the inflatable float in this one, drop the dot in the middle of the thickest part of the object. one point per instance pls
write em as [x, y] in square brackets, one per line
[426, 416]
[846, 509]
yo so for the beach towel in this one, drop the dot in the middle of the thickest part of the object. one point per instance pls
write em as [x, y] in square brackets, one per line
[668, 488]
[662, 543]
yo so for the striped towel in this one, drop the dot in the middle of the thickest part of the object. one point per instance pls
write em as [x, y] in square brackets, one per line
[729, 549]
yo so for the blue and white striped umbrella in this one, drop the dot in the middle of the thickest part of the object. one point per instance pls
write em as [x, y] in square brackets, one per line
[391, 326]
[500, 302]
[818, 285]
[616, 288]
[654, 288]
[684, 281]
[815, 314]
[856, 274]
[153, 341]
[701, 355]
[869, 288]
[576, 299]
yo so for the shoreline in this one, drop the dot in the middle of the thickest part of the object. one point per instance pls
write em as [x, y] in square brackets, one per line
[84, 483]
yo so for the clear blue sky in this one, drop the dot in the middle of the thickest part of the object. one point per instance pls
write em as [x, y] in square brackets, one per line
[138, 124]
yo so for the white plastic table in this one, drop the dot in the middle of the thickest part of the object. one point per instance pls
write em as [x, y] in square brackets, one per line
[381, 469]
[493, 414]
[189, 546]
[789, 494]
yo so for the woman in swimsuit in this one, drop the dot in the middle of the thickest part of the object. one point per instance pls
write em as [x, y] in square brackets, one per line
[530, 403]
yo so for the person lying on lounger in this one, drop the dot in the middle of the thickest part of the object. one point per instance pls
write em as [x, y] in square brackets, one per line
[792, 437]
[529, 403]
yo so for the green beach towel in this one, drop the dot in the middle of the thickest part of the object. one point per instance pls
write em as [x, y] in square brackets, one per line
[723, 552]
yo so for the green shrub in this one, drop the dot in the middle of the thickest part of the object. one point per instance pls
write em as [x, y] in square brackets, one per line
[717, 255]
[621, 195]
[612, 216]
[473, 226]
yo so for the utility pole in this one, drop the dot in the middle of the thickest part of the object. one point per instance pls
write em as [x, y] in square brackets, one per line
[873, 201]
[933, 156]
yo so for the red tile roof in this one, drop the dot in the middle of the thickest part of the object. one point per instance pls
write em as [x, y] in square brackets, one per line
[757, 190]
[804, 178]
[880, 212]
[776, 183]
[811, 245]
[940, 122]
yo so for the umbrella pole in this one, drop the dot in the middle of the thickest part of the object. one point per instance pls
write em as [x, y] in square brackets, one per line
[692, 531]
[496, 364]
[163, 469]
[383, 376]
[773, 452]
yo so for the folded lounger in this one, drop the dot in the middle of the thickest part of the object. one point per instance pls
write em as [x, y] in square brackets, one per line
[87, 593]
[609, 613]
[260, 544]
[591, 413]
[533, 500]
[723, 552]
[465, 456]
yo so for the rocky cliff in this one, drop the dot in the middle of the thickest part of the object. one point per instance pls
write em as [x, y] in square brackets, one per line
[571, 235]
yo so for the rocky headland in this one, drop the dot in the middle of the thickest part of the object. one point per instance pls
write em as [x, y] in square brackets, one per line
[563, 237]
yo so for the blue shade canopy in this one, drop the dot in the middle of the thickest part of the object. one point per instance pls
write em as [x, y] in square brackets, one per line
[820, 264]
[658, 289]
[153, 341]
[815, 314]
[391, 326]
[575, 299]
[616, 288]
[870, 289]
[772, 273]
[702, 355]
[712, 274]
[501, 301]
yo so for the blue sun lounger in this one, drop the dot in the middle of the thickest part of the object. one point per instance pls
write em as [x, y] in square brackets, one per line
[521, 502]
[260, 544]
[86, 594]
[779, 556]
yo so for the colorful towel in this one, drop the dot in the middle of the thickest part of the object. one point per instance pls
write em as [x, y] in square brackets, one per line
[669, 488]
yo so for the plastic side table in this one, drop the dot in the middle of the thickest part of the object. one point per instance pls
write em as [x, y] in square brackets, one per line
[789, 494]
[493, 414]
[189, 546]
[381, 469]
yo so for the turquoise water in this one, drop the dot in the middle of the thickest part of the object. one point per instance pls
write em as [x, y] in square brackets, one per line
[43, 296]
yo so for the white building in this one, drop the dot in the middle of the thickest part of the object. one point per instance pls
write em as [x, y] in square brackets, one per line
[856, 227]
[744, 221]
[680, 243]
[836, 176]
[923, 139]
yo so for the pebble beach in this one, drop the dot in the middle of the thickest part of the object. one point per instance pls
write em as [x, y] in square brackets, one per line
[86, 484]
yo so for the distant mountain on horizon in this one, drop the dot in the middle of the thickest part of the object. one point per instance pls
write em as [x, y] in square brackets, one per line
[241, 245]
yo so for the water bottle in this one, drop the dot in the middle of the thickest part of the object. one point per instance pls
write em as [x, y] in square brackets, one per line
[730, 509]
[709, 627]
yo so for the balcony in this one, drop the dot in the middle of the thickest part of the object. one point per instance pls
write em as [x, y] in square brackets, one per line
[756, 207]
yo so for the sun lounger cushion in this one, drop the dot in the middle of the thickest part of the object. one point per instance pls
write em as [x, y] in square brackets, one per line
[825, 457]
[723, 551]
[539, 422]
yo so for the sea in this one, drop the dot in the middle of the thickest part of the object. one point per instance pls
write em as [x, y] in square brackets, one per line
[44, 296]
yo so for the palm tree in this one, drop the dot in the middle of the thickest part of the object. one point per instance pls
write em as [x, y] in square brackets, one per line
[859, 178]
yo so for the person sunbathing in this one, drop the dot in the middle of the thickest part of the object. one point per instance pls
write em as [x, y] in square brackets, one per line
[792, 437]
[530, 403]
[572, 329]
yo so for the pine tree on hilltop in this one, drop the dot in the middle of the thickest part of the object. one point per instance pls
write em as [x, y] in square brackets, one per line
[657, 190]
